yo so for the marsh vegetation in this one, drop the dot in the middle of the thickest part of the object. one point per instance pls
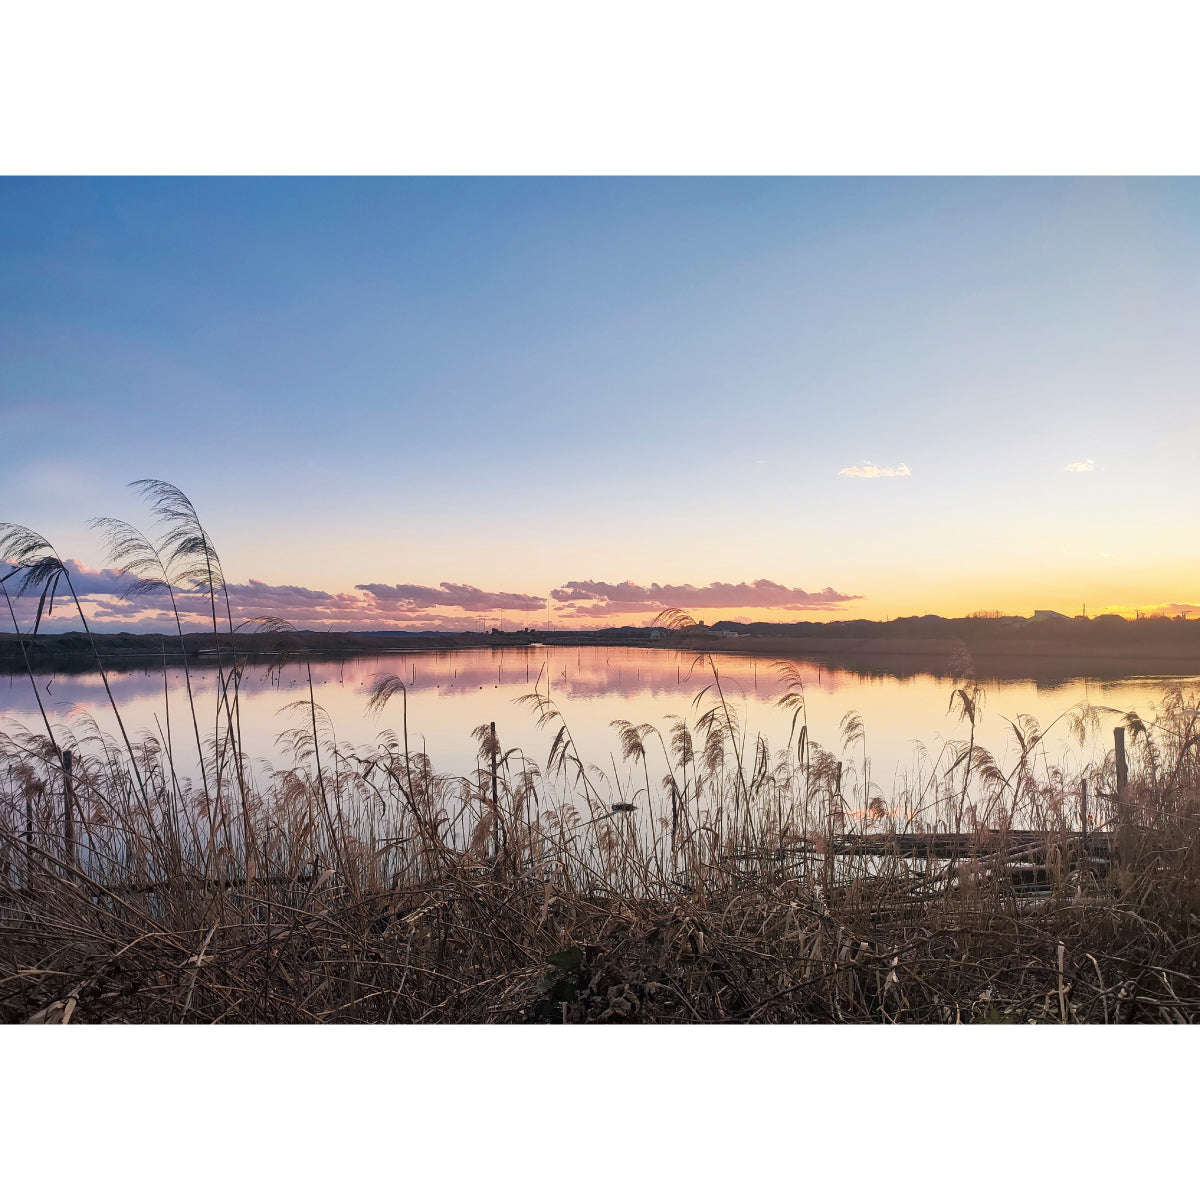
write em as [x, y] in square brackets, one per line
[706, 876]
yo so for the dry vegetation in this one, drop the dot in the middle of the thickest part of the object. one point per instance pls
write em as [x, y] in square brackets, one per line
[709, 881]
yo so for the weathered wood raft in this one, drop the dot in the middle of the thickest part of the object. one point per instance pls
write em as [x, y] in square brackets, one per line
[1031, 845]
[1032, 859]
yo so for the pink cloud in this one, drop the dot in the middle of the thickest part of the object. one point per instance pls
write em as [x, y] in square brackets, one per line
[110, 605]
[601, 608]
[87, 582]
[403, 596]
[762, 593]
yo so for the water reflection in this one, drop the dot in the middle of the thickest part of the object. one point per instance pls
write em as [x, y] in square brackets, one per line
[452, 692]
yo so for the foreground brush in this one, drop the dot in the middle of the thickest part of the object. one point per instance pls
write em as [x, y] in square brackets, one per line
[358, 884]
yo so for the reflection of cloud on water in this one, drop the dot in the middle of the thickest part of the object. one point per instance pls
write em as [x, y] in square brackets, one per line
[62, 693]
[581, 674]
[450, 693]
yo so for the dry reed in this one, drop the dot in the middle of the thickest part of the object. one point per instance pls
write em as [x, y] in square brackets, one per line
[360, 884]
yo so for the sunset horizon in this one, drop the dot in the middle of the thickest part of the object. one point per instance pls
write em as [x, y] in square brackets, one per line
[448, 607]
[414, 402]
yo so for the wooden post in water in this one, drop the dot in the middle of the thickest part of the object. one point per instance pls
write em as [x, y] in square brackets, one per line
[495, 788]
[674, 818]
[68, 808]
[836, 819]
[28, 836]
[1123, 828]
[1122, 765]
[841, 803]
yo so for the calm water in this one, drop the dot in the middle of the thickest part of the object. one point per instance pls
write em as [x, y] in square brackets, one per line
[450, 693]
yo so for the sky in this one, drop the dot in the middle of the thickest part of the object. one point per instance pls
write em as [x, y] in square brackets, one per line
[447, 403]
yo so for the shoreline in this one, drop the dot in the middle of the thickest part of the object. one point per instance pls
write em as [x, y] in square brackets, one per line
[902, 657]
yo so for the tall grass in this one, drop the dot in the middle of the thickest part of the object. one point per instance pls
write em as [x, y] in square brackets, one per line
[706, 878]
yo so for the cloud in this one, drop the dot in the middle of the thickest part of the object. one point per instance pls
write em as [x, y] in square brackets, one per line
[634, 597]
[266, 593]
[109, 605]
[602, 608]
[105, 582]
[870, 471]
[1088, 464]
[1172, 610]
[402, 596]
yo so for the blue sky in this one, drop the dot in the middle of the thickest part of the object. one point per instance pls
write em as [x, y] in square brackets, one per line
[516, 384]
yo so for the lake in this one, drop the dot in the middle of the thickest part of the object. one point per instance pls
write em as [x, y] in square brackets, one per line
[452, 692]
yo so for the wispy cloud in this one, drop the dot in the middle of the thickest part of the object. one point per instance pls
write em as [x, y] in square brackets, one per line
[869, 470]
[1088, 464]
[402, 596]
[636, 597]
[110, 605]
